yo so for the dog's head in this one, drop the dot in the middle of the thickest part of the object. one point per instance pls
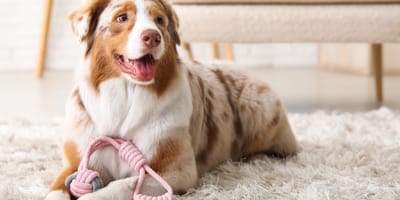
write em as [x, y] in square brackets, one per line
[132, 38]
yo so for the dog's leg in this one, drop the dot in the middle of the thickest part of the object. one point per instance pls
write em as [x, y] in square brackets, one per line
[278, 141]
[175, 162]
[270, 130]
[72, 158]
[284, 143]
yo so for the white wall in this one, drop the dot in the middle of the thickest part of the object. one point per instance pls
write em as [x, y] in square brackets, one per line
[20, 24]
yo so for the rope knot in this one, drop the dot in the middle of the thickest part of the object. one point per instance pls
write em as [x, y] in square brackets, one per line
[132, 156]
[84, 181]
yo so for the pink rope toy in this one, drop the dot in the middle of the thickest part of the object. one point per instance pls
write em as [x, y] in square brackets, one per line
[85, 180]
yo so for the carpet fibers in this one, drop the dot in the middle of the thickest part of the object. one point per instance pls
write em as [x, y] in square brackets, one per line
[343, 156]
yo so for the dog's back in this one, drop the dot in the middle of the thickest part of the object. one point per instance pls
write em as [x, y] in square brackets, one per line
[235, 116]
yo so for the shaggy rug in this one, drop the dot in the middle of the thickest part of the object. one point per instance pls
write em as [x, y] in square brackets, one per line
[343, 156]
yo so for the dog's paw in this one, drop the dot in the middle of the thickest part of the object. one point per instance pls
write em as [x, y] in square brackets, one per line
[57, 195]
[117, 190]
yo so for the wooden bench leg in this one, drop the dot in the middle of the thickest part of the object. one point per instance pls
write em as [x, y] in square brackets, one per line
[376, 60]
[229, 55]
[43, 38]
[215, 50]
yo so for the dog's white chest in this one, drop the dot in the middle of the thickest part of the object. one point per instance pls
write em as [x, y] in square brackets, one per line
[132, 113]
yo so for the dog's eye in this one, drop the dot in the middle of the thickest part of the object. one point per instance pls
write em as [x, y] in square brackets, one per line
[159, 20]
[122, 18]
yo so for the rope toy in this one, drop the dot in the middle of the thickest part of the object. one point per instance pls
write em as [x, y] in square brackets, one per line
[85, 180]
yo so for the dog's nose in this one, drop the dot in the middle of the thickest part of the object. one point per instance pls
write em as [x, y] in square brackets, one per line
[151, 38]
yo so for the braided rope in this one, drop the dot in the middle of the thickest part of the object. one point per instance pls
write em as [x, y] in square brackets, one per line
[85, 180]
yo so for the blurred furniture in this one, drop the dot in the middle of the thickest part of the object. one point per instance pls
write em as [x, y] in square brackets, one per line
[260, 21]
[43, 38]
[356, 58]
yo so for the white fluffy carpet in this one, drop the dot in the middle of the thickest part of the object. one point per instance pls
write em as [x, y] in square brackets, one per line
[343, 156]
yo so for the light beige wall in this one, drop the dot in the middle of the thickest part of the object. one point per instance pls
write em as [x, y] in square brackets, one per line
[391, 58]
[344, 57]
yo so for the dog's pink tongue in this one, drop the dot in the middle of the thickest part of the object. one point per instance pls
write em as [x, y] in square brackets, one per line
[145, 69]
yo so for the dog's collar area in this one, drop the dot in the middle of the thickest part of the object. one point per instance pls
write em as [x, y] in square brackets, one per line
[85, 180]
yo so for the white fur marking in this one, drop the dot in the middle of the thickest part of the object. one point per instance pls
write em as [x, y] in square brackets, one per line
[135, 48]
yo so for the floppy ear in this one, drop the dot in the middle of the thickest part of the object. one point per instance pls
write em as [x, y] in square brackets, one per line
[84, 20]
[173, 24]
[80, 22]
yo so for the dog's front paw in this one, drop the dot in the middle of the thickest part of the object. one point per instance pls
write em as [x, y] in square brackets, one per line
[58, 195]
[117, 190]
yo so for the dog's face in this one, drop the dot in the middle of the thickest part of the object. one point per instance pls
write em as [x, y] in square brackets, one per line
[131, 38]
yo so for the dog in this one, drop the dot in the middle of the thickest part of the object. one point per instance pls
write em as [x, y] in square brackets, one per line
[185, 117]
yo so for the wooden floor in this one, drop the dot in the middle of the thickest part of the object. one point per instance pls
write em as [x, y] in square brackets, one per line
[302, 90]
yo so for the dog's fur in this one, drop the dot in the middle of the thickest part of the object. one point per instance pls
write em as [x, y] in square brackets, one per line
[186, 119]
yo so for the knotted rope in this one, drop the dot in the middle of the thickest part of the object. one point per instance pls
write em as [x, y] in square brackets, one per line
[85, 180]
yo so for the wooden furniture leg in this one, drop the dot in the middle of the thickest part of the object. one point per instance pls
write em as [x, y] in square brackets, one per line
[188, 50]
[43, 38]
[376, 61]
[229, 51]
[215, 50]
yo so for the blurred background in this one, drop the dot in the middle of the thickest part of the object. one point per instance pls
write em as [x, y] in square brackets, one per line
[307, 76]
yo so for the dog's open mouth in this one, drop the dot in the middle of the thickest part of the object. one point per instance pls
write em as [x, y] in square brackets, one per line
[142, 69]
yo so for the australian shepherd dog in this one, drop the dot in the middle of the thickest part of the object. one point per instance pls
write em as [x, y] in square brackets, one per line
[185, 117]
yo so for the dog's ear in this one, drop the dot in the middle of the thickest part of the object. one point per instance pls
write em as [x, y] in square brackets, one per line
[84, 20]
[79, 20]
[173, 24]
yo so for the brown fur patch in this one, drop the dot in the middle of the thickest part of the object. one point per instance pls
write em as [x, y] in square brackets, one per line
[263, 89]
[71, 153]
[222, 78]
[173, 21]
[211, 129]
[228, 82]
[212, 133]
[210, 94]
[73, 159]
[201, 85]
[167, 153]
[277, 115]
[166, 71]
[190, 75]
[242, 108]
[103, 63]
[255, 145]
[103, 68]
[159, 12]
[126, 8]
[129, 9]
[236, 149]
[225, 115]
